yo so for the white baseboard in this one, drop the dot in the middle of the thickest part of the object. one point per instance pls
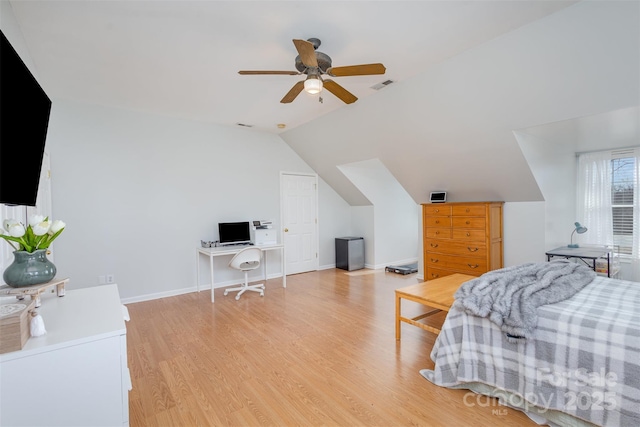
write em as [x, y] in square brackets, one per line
[205, 287]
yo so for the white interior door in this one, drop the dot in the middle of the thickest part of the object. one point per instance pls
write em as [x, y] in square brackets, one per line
[299, 200]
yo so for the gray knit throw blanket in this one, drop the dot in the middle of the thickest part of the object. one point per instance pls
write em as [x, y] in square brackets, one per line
[509, 297]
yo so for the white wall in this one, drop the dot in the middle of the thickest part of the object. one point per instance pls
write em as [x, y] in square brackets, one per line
[394, 213]
[138, 193]
[554, 167]
[363, 225]
[524, 226]
[334, 221]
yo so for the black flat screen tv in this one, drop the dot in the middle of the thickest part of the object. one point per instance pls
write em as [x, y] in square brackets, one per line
[234, 232]
[24, 119]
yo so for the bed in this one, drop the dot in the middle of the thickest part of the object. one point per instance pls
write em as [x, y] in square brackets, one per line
[580, 366]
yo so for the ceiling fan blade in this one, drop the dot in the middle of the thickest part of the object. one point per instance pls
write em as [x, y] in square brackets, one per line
[295, 91]
[333, 87]
[307, 52]
[357, 70]
[251, 72]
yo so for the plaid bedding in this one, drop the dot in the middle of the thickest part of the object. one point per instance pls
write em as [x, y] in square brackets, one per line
[584, 358]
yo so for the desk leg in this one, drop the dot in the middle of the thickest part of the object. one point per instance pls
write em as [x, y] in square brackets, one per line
[211, 273]
[284, 273]
[197, 270]
[264, 266]
[398, 317]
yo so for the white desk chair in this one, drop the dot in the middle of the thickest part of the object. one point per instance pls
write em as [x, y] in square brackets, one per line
[246, 260]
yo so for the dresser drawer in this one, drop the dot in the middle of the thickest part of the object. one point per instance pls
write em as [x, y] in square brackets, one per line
[469, 210]
[457, 263]
[453, 247]
[436, 273]
[437, 233]
[437, 210]
[437, 221]
[468, 222]
[469, 235]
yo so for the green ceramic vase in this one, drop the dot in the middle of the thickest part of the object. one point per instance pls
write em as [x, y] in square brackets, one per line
[29, 269]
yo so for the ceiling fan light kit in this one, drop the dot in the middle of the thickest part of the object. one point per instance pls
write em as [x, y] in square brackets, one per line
[314, 64]
[313, 85]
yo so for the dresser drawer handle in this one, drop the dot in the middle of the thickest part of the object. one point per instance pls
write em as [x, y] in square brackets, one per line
[434, 245]
[437, 232]
[437, 221]
[473, 266]
[472, 249]
[468, 222]
[436, 210]
[434, 260]
[468, 234]
[467, 210]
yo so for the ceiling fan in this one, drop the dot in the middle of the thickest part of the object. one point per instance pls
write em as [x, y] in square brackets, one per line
[316, 64]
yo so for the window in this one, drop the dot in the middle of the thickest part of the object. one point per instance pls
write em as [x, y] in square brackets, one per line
[608, 184]
[623, 184]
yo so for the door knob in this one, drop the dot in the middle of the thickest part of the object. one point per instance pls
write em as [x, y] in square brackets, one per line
[286, 230]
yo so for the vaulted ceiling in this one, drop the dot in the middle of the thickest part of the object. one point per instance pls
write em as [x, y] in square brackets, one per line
[466, 74]
[181, 58]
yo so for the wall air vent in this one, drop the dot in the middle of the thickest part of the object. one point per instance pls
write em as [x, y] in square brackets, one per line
[381, 85]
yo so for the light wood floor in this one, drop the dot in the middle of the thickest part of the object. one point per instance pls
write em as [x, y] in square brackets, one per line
[321, 352]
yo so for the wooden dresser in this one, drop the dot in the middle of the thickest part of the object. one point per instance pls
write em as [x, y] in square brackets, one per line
[463, 237]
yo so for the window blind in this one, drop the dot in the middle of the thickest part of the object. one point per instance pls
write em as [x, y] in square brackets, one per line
[623, 183]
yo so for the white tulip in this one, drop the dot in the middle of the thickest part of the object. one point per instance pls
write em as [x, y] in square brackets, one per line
[7, 223]
[57, 226]
[36, 219]
[41, 228]
[39, 234]
[16, 230]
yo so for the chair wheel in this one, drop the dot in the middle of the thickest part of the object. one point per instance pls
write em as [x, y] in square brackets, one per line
[226, 293]
[261, 294]
[237, 297]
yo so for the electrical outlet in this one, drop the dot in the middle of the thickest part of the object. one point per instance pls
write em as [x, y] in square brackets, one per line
[110, 278]
[102, 280]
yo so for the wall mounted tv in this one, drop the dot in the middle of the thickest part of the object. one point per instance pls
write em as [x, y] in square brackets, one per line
[24, 119]
[234, 232]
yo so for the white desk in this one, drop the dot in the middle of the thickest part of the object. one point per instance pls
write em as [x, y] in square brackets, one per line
[232, 250]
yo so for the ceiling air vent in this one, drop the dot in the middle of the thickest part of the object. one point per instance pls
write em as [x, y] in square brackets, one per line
[381, 85]
[244, 125]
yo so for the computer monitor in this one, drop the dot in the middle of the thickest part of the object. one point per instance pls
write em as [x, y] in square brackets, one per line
[234, 232]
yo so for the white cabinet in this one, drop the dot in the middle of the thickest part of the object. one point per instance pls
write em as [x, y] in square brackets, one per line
[76, 374]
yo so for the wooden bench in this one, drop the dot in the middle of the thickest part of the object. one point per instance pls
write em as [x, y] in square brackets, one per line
[436, 294]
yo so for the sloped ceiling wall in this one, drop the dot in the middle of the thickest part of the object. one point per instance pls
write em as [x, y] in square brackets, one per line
[451, 128]
[395, 214]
